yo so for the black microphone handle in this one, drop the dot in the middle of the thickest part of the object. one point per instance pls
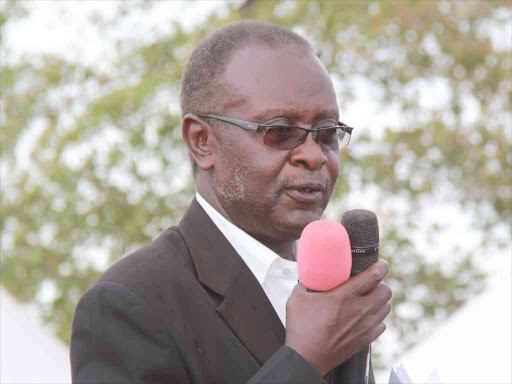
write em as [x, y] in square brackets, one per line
[352, 370]
[363, 230]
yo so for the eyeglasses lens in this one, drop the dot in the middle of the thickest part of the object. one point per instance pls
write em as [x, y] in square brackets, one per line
[283, 137]
[343, 138]
[288, 137]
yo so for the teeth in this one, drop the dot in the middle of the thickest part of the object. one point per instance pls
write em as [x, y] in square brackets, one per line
[308, 190]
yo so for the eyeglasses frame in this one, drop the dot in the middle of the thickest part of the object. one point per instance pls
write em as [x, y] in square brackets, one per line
[263, 127]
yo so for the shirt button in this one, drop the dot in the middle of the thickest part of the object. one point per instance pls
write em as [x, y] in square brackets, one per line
[287, 272]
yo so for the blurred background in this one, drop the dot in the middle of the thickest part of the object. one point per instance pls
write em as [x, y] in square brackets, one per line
[92, 164]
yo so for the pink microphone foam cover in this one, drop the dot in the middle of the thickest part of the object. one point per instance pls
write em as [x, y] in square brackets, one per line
[324, 256]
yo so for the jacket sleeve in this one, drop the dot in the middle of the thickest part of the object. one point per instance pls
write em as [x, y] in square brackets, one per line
[116, 338]
[286, 366]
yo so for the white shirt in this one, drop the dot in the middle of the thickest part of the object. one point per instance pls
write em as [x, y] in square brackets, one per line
[277, 276]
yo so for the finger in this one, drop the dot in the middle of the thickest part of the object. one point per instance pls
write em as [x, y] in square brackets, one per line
[300, 289]
[380, 295]
[376, 298]
[367, 280]
[378, 330]
[382, 313]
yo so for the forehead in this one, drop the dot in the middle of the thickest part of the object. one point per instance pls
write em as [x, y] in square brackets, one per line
[271, 80]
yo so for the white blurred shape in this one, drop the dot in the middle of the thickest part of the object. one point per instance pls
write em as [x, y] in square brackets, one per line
[473, 346]
[402, 374]
[433, 378]
[29, 353]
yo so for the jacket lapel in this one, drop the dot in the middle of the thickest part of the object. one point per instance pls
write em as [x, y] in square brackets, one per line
[245, 308]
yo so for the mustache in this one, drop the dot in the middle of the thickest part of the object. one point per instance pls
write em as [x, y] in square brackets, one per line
[322, 180]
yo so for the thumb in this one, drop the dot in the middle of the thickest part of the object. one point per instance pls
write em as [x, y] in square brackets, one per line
[364, 282]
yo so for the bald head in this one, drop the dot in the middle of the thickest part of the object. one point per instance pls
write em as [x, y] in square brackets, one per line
[203, 87]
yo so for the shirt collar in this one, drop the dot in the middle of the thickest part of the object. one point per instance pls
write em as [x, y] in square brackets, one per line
[257, 256]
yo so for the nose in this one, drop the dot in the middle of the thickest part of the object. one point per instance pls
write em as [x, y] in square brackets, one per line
[308, 154]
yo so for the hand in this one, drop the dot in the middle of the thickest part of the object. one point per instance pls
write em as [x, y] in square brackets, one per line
[327, 328]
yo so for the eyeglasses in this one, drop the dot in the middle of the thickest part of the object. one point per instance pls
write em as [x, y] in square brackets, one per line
[329, 135]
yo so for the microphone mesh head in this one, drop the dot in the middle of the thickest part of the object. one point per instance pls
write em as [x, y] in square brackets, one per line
[363, 230]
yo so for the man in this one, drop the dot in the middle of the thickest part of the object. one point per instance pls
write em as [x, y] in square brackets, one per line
[216, 299]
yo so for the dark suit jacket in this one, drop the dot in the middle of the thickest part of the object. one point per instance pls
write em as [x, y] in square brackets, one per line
[183, 309]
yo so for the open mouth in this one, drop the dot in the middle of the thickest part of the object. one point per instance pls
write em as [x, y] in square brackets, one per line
[306, 189]
[308, 193]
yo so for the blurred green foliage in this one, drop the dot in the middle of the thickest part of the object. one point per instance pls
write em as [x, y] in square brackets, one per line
[93, 165]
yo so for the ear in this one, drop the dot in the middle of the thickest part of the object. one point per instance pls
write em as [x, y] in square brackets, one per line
[200, 140]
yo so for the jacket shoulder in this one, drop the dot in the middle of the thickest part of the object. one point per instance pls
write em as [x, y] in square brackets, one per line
[164, 257]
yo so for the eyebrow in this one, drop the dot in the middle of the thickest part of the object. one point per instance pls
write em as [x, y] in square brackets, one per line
[293, 115]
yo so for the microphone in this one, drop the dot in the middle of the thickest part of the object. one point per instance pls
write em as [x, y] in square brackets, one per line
[324, 257]
[363, 230]
[329, 253]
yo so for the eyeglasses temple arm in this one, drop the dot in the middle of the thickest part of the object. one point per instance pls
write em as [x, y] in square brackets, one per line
[239, 123]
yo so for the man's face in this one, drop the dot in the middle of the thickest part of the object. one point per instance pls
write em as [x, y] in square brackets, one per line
[262, 189]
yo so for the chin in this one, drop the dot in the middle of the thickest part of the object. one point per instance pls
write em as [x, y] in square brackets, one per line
[298, 220]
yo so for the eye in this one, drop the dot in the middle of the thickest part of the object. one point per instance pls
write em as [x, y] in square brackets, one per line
[283, 137]
[278, 122]
[326, 124]
[328, 138]
[281, 133]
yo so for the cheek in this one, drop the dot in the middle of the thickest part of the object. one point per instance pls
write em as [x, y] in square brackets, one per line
[250, 171]
[263, 183]
[335, 175]
[333, 170]
[233, 185]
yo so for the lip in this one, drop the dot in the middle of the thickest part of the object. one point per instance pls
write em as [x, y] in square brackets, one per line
[317, 191]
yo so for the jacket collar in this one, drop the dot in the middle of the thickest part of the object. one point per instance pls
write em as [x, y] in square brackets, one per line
[245, 308]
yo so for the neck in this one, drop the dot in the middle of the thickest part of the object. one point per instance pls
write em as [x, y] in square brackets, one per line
[284, 248]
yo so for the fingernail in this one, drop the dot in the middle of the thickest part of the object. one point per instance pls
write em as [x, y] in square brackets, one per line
[382, 267]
